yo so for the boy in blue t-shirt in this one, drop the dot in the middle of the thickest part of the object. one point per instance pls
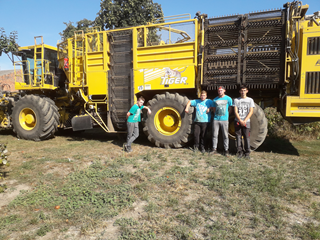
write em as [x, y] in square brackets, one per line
[222, 107]
[201, 120]
[133, 119]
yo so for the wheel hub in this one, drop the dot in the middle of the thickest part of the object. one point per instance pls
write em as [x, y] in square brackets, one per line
[27, 119]
[167, 121]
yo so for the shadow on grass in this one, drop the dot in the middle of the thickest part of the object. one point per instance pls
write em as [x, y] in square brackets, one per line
[7, 132]
[98, 134]
[277, 145]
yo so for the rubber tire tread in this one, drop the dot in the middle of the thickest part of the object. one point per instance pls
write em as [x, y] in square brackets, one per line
[46, 118]
[55, 112]
[177, 102]
[259, 127]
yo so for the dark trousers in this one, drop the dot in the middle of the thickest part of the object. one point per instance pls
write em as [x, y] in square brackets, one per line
[245, 133]
[200, 130]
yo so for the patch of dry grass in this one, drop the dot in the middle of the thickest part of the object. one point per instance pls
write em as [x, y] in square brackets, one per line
[159, 193]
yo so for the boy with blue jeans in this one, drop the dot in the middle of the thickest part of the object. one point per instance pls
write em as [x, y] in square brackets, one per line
[222, 107]
[201, 120]
[133, 119]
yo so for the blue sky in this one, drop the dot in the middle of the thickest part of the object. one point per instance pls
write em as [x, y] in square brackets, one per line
[45, 18]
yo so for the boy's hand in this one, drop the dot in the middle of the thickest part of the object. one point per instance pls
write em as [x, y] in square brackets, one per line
[208, 110]
[187, 110]
[242, 123]
[149, 111]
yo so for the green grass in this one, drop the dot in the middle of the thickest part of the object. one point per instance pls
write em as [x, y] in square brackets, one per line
[182, 195]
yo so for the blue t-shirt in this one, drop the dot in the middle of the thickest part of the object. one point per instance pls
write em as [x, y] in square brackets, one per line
[135, 116]
[222, 105]
[201, 110]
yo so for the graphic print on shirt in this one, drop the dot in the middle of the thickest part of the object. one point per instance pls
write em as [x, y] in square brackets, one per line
[221, 107]
[136, 116]
[243, 109]
[201, 112]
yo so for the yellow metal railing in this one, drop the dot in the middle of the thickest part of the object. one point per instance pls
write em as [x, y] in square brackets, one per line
[23, 74]
[40, 75]
[172, 18]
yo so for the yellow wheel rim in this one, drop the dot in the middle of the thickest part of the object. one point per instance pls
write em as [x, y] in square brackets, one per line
[27, 119]
[167, 121]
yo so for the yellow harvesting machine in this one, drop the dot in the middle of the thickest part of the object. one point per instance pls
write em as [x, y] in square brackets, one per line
[93, 78]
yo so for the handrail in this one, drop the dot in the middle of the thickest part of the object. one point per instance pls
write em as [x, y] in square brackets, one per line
[173, 17]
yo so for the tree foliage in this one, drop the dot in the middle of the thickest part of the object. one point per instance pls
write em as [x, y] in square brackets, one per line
[125, 13]
[8, 43]
[116, 14]
[83, 24]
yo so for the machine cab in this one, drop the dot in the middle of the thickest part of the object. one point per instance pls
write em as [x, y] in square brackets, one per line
[37, 68]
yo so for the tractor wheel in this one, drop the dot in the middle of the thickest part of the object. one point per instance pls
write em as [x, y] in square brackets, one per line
[259, 127]
[55, 110]
[168, 125]
[35, 118]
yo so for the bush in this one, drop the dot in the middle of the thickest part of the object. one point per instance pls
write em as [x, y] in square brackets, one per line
[3, 157]
[278, 127]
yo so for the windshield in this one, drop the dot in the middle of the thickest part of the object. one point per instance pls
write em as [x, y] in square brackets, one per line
[28, 63]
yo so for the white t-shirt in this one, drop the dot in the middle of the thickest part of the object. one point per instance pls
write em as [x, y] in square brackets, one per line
[243, 105]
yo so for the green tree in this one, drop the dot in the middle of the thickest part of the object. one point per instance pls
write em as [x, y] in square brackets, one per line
[116, 14]
[125, 13]
[8, 43]
[83, 24]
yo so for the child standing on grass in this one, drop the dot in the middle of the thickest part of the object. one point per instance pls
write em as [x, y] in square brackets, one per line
[243, 109]
[133, 119]
[202, 120]
[222, 107]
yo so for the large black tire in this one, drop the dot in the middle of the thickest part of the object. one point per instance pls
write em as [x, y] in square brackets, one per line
[259, 127]
[259, 130]
[178, 103]
[44, 113]
[55, 110]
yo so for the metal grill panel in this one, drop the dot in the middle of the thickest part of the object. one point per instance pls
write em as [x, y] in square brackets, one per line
[221, 59]
[120, 85]
[313, 45]
[262, 47]
[312, 83]
[244, 49]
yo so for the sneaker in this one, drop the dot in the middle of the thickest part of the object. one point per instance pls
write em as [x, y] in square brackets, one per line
[247, 157]
[239, 154]
[202, 150]
[226, 153]
[213, 152]
[125, 147]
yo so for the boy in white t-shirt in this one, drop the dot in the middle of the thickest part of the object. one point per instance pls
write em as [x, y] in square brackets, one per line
[243, 108]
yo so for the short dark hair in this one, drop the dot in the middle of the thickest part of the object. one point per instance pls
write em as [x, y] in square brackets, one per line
[243, 86]
[141, 98]
[204, 92]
